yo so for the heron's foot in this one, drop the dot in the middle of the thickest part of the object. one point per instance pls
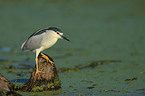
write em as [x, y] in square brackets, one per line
[47, 59]
[38, 73]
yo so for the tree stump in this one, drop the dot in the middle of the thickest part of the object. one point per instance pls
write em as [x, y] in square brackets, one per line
[44, 81]
[6, 87]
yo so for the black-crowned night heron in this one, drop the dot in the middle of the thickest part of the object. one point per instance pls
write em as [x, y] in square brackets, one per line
[41, 40]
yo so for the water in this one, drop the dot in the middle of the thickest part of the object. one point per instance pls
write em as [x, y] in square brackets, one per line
[98, 30]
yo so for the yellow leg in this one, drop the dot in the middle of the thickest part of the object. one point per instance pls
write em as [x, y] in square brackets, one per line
[44, 56]
[37, 70]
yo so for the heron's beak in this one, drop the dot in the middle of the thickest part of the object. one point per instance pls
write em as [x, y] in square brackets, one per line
[65, 38]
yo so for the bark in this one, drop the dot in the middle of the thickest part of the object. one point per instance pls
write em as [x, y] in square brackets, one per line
[6, 87]
[43, 81]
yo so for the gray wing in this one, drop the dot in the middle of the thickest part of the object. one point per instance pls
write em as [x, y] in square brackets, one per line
[32, 43]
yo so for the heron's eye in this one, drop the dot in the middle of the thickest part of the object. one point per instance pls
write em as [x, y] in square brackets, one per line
[57, 32]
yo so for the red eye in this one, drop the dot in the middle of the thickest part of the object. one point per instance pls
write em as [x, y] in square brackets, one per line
[57, 32]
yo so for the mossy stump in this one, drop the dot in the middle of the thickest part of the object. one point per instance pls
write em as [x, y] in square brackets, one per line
[43, 81]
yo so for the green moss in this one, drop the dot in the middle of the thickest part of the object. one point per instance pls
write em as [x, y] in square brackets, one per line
[36, 88]
[49, 85]
[57, 81]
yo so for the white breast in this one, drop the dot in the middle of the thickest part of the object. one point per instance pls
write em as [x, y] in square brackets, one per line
[48, 40]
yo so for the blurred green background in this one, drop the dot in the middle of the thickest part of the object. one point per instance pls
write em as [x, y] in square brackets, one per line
[98, 29]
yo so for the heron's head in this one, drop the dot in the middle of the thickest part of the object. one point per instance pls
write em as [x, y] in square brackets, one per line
[58, 33]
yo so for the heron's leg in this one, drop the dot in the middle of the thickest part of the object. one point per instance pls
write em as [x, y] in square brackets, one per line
[44, 56]
[36, 65]
[37, 69]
